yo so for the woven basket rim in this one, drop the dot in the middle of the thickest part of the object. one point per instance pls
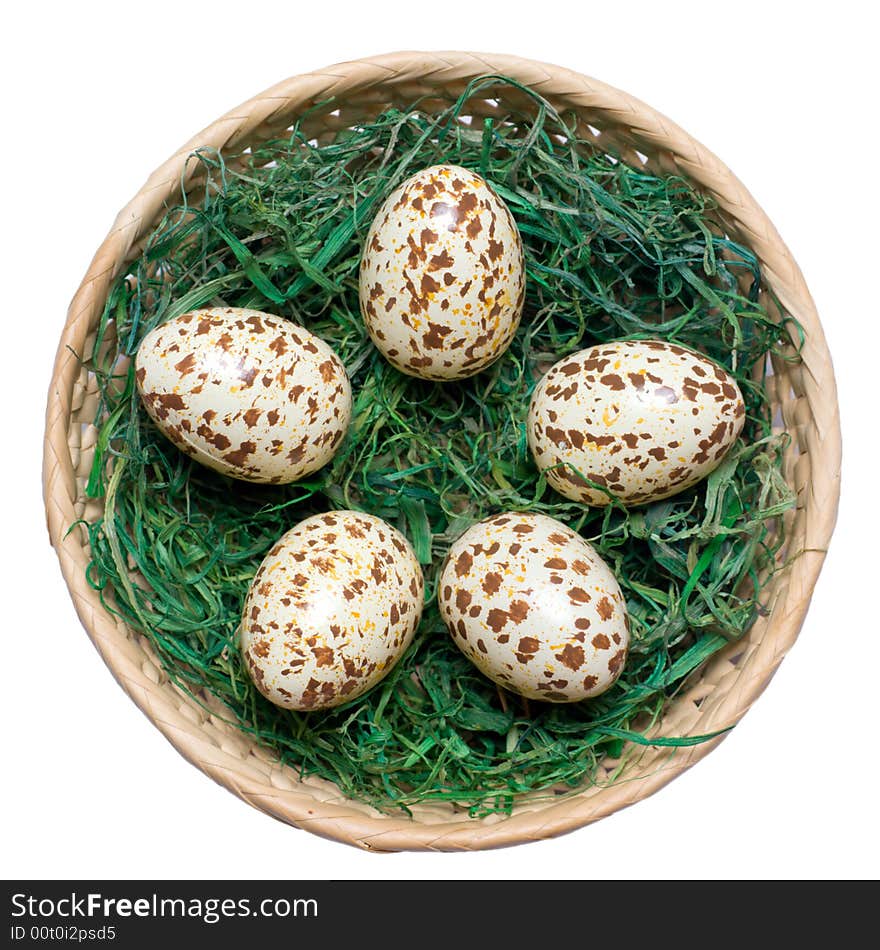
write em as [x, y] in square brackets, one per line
[301, 804]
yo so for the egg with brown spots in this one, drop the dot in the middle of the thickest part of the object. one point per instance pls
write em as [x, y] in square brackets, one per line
[246, 393]
[442, 280]
[642, 420]
[331, 610]
[535, 608]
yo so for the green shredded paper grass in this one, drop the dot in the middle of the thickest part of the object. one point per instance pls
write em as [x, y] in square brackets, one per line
[612, 252]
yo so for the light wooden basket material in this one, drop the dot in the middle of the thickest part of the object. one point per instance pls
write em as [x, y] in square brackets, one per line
[803, 392]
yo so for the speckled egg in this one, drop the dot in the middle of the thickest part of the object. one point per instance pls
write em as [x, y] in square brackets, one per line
[442, 280]
[330, 610]
[643, 419]
[246, 393]
[535, 608]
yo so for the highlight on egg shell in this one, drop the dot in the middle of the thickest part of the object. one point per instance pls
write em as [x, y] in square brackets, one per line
[442, 280]
[535, 608]
[246, 393]
[642, 419]
[331, 610]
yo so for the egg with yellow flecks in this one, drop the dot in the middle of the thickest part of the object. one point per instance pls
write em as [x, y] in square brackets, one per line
[442, 279]
[535, 608]
[636, 421]
[248, 394]
[330, 610]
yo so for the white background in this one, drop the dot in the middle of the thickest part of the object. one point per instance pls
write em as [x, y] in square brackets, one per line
[95, 98]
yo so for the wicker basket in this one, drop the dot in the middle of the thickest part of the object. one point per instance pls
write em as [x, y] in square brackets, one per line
[804, 393]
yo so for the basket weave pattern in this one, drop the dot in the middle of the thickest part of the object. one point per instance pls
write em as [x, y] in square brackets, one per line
[803, 393]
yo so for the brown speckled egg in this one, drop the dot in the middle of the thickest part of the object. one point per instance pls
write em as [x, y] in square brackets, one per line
[643, 419]
[246, 393]
[442, 279]
[330, 610]
[535, 608]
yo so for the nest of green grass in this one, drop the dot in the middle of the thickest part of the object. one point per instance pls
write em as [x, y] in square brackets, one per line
[612, 252]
